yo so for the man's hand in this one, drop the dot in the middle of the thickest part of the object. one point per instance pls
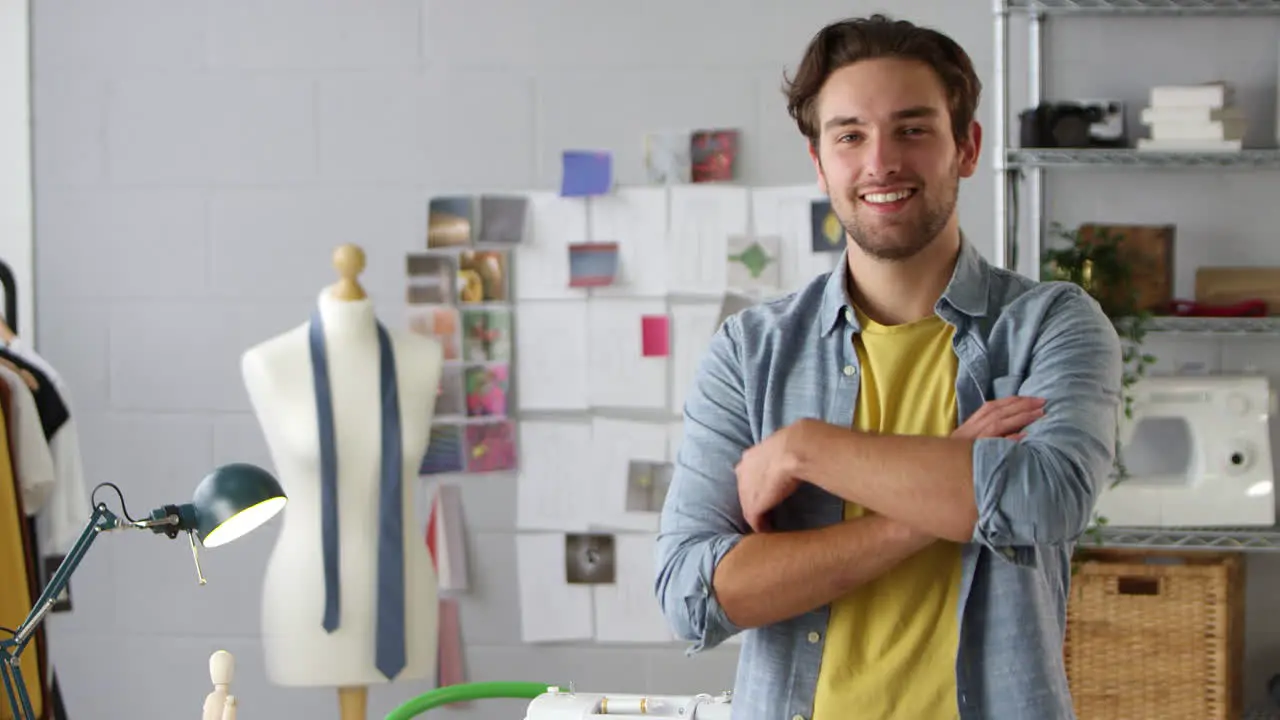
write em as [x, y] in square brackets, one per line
[766, 474]
[1006, 417]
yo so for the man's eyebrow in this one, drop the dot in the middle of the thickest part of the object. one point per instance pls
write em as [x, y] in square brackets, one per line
[919, 111]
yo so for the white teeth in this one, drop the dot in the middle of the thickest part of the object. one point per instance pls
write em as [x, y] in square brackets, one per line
[886, 197]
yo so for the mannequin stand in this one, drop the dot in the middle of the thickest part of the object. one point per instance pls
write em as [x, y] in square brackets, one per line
[353, 702]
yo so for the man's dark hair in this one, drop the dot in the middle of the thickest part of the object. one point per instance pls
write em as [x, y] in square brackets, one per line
[848, 41]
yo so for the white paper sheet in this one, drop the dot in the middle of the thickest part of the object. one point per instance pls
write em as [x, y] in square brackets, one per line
[785, 212]
[692, 326]
[702, 219]
[627, 611]
[541, 262]
[614, 445]
[551, 609]
[552, 355]
[554, 490]
[636, 219]
[619, 374]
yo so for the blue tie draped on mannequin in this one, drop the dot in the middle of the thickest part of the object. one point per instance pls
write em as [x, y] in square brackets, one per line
[390, 650]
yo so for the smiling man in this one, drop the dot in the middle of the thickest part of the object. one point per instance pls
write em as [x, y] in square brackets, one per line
[883, 475]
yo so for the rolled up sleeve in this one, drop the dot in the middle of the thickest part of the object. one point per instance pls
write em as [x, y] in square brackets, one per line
[1042, 490]
[701, 519]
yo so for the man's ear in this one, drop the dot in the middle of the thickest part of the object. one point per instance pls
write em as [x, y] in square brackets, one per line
[817, 165]
[970, 150]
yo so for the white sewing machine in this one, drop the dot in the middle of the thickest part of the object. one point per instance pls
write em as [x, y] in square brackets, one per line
[558, 704]
[1197, 452]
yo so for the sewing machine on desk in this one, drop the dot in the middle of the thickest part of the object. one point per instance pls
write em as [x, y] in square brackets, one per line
[1197, 451]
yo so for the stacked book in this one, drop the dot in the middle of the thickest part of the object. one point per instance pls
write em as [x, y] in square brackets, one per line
[1193, 118]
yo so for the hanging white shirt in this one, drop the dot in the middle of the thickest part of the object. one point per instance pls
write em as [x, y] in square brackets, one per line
[63, 517]
[32, 459]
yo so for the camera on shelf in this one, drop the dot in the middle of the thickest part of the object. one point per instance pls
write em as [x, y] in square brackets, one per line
[1073, 124]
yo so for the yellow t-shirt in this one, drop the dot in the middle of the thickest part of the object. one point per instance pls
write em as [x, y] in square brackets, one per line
[891, 644]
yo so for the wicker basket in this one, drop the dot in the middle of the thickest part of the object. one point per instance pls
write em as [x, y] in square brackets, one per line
[1156, 635]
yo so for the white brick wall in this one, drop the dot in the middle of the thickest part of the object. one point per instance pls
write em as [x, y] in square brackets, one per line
[196, 162]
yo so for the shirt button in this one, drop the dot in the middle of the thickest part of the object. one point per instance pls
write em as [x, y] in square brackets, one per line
[849, 369]
[1008, 552]
[814, 637]
[848, 315]
[797, 717]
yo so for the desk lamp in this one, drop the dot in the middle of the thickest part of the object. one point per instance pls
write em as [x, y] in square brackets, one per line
[231, 501]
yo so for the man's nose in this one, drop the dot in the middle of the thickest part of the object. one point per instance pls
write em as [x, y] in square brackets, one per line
[883, 157]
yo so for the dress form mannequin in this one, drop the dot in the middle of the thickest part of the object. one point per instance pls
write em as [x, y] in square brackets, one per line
[278, 375]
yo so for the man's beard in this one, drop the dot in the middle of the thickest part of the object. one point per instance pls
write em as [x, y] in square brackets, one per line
[905, 237]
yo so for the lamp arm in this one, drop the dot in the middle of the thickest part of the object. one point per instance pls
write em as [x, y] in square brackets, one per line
[11, 648]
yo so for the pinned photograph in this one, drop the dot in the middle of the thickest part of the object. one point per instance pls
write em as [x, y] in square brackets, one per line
[486, 388]
[486, 334]
[439, 322]
[714, 155]
[667, 158]
[589, 559]
[482, 276]
[491, 447]
[753, 262]
[828, 233]
[451, 399]
[451, 221]
[647, 484]
[593, 264]
[433, 279]
[444, 450]
[502, 220]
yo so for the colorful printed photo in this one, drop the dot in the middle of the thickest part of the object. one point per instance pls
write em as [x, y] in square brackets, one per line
[502, 219]
[433, 279]
[439, 322]
[451, 221]
[486, 335]
[666, 158]
[491, 447]
[753, 262]
[714, 154]
[451, 400]
[647, 484]
[482, 276]
[589, 558]
[828, 233]
[486, 387]
[593, 264]
[444, 450]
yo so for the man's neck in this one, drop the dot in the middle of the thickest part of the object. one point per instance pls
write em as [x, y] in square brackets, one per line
[893, 292]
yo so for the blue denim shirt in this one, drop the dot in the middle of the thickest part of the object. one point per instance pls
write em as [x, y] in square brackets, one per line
[794, 358]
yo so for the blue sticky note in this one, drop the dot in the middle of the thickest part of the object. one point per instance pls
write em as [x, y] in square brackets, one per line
[586, 172]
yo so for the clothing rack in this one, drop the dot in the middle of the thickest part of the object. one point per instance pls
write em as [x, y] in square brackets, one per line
[10, 296]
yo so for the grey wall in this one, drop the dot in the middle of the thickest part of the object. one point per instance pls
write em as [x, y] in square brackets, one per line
[196, 162]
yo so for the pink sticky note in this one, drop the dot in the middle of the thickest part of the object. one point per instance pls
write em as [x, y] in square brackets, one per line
[655, 339]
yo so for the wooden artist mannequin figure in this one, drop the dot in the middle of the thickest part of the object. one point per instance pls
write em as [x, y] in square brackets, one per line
[324, 613]
[221, 704]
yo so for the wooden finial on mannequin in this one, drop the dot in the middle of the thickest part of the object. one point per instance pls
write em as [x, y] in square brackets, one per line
[348, 260]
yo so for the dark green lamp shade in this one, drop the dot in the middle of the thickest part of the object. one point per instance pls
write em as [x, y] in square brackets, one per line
[233, 500]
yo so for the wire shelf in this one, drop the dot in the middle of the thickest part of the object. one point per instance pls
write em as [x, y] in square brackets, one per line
[1260, 539]
[1132, 158]
[1213, 325]
[1145, 7]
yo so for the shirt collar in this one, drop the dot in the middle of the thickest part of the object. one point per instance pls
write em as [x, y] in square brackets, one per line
[966, 292]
